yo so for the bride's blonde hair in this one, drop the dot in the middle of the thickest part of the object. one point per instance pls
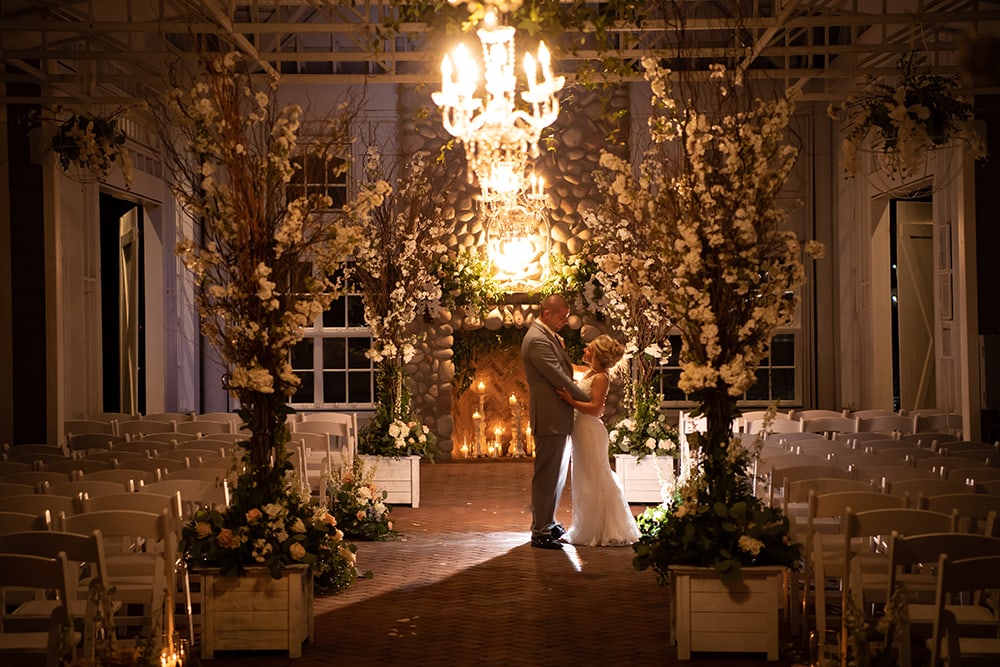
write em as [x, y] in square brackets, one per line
[607, 351]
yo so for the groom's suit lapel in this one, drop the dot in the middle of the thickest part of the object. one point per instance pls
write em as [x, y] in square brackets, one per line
[555, 341]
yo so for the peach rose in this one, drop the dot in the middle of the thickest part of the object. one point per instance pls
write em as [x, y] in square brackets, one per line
[297, 551]
[226, 539]
[203, 529]
[254, 515]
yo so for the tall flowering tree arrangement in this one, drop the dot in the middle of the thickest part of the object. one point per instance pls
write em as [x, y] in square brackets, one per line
[708, 193]
[261, 256]
[395, 268]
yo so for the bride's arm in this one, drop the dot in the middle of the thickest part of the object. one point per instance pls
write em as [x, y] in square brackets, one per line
[598, 393]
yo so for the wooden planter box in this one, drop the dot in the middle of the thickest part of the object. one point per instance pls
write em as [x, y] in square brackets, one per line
[255, 612]
[643, 479]
[708, 616]
[399, 477]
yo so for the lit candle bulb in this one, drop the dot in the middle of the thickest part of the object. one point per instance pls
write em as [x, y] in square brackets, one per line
[513, 399]
[531, 70]
[481, 387]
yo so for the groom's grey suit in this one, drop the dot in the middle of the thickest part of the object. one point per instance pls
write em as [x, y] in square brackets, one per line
[548, 368]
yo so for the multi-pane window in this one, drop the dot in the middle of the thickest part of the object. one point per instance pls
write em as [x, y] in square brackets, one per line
[776, 375]
[319, 175]
[331, 359]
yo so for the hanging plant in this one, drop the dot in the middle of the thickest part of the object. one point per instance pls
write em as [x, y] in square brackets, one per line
[88, 146]
[904, 122]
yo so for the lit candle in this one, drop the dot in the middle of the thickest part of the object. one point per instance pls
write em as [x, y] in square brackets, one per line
[545, 61]
[465, 451]
[476, 415]
[513, 399]
[481, 387]
[531, 70]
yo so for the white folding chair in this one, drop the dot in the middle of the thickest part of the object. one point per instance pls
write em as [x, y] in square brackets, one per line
[42, 574]
[962, 576]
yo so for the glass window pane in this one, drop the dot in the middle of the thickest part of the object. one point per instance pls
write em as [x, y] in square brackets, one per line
[355, 311]
[356, 351]
[760, 389]
[334, 387]
[783, 384]
[669, 379]
[302, 354]
[675, 351]
[306, 392]
[334, 354]
[334, 315]
[783, 350]
[359, 386]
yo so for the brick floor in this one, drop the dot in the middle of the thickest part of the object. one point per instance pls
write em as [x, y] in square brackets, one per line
[460, 585]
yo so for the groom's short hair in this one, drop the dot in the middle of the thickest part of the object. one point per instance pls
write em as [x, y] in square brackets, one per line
[553, 302]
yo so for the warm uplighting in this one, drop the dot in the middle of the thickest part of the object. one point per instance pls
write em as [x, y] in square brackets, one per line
[499, 137]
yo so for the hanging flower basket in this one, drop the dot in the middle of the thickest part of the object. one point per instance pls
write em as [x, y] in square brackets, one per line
[88, 146]
[905, 123]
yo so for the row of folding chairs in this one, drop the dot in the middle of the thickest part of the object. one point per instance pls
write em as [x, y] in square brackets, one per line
[136, 561]
[847, 530]
[830, 422]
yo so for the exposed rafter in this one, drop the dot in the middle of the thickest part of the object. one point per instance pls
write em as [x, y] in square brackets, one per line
[98, 51]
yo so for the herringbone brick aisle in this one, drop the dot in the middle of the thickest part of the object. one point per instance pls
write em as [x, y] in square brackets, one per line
[460, 585]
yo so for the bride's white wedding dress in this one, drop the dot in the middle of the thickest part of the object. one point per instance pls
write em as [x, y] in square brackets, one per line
[601, 516]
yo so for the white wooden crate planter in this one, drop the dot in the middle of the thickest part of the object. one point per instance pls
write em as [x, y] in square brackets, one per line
[708, 616]
[645, 480]
[255, 612]
[399, 477]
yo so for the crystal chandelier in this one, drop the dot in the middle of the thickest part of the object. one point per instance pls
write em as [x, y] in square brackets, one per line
[499, 137]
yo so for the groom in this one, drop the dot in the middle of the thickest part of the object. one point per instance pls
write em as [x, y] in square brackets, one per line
[548, 368]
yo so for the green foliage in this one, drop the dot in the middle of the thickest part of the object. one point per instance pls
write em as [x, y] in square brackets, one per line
[358, 504]
[467, 283]
[269, 524]
[724, 536]
[393, 431]
[645, 430]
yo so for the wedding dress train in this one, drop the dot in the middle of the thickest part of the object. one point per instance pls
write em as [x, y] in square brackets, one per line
[601, 516]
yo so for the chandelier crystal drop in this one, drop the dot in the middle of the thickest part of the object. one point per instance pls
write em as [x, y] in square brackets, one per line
[499, 137]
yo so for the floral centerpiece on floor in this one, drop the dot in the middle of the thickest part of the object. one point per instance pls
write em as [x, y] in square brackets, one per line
[262, 255]
[357, 502]
[394, 268]
[89, 145]
[644, 432]
[273, 525]
[706, 197]
[392, 431]
[905, 121]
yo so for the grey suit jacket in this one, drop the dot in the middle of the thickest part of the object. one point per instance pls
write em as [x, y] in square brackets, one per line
[548, 367]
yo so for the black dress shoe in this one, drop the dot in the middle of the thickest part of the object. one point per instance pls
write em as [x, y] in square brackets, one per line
[545, 542]
[557, 531]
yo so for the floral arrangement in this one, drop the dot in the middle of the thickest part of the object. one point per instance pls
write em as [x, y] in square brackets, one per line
[697, 529]
[232, 154]
[357, 503]
[713, 261]
[272, 525]
[576, 278]
[906, 120]
[88, 146]
[401, 243]
[467, 282]
[393, 431]
[645, 431]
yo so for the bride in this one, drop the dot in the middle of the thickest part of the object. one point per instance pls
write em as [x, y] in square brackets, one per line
[601, 516]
